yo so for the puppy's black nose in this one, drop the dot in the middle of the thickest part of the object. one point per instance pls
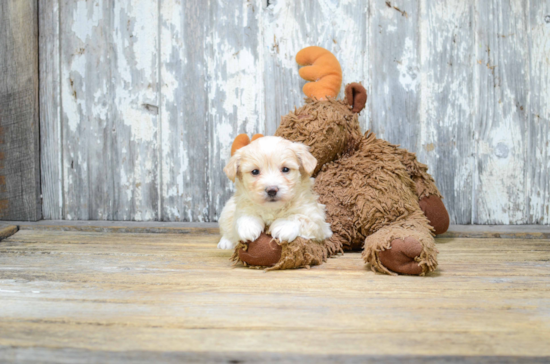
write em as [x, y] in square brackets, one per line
[272, 191]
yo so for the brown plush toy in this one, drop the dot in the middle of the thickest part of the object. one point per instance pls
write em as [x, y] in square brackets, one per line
[378, 196]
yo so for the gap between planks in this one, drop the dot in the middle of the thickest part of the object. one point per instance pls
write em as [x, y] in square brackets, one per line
[455, 231]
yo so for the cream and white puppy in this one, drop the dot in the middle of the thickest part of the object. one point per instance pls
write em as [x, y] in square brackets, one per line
[273, 193]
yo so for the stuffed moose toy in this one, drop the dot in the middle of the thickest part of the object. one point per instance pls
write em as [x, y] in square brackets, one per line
[378, 197]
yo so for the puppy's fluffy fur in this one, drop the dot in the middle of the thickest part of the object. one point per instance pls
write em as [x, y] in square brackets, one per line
[274, 193]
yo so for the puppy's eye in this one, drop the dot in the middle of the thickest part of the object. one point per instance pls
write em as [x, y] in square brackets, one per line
[255, 172]
[285, 170]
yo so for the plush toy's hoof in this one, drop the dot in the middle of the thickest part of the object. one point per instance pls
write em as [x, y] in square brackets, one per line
[264, 252]
[401, 257]
[435, 211]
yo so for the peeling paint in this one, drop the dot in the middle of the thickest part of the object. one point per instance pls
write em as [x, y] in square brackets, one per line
[407, 67]
[85, 17]
[152, 94]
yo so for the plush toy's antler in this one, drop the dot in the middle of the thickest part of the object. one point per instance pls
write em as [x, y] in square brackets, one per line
[242, 140]
[323, 68]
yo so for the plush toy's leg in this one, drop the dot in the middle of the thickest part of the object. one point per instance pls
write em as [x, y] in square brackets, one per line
[429, 196]
[269, 252]
[405, 247]
[425, 184]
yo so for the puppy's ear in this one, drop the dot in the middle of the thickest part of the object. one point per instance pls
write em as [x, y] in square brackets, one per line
[232, 167]
[307, 160]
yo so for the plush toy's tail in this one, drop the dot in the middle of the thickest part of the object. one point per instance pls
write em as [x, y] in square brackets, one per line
[323, 69]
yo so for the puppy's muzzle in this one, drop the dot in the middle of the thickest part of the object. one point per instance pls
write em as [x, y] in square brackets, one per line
[272, 191]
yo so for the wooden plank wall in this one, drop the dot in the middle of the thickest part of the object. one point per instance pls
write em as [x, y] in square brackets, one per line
[141, 100]
[19, 129]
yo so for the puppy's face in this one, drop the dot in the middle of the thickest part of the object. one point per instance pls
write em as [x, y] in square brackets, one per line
[271, 170]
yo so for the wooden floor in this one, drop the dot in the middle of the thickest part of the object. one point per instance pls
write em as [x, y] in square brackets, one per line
[70, 296]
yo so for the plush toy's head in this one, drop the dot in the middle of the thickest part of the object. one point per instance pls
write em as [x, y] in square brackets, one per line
[328, 126]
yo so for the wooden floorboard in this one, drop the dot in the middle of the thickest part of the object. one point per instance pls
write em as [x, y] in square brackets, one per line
[454, 231]
[81, 296]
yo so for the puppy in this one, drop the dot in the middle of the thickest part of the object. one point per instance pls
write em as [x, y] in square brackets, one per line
[273, 193]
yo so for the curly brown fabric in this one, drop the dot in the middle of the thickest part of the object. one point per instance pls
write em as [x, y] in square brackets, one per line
[298, 254]
[366, 190]
[328, 127]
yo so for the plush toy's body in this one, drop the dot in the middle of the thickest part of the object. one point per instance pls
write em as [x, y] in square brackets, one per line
[377, 195]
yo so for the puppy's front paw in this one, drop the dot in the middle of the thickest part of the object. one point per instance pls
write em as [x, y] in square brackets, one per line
[249, 228]
[225, 244]
[285, 230]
